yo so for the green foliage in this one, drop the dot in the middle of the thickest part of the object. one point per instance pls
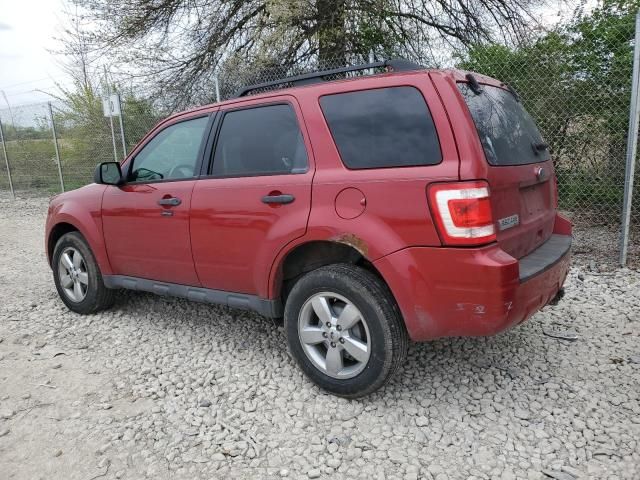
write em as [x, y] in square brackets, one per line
[576, 83]
[19, 132]
[84, 139]
[33, 165]
[85, 133]
[139, 117]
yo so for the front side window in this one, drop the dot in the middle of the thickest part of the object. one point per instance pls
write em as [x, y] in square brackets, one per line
[172, 154]
[508, 134]
[256, 141]
[385, 127]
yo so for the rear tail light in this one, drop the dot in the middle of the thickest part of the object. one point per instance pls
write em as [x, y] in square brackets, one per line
[462, 212]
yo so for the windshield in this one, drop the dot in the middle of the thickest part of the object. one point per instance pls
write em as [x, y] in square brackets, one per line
[508, 134]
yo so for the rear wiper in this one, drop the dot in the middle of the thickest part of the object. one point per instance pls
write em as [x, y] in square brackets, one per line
[473, 84]
[539, 147]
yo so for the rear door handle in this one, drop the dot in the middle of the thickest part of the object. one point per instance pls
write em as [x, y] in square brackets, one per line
[169, 202]
[284, 198]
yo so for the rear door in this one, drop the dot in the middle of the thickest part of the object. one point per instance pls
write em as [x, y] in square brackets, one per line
[518, 167]
[256, 197]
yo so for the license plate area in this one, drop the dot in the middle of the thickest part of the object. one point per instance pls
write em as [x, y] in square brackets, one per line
[533, 200]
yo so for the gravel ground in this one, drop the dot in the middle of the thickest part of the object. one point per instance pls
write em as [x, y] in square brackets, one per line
[162, 388]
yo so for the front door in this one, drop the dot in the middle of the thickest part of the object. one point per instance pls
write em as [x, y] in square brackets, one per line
[146, 220]
[257, 197]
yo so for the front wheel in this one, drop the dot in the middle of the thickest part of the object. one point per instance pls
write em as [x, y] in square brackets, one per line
[345, 330]
[77, 276]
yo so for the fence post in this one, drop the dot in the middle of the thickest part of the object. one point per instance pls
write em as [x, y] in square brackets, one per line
[632, 144]
[6, 160]
[124, 144]
[55, 144]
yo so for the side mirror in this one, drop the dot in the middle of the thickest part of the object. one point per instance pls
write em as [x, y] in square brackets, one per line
[108, 173]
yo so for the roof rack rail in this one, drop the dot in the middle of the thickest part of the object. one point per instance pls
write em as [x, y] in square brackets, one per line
[396, 65]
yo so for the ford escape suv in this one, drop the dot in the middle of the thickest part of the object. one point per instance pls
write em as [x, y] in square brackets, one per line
[366, 211]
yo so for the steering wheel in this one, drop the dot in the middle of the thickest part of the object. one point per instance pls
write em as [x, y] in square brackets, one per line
[184, 171]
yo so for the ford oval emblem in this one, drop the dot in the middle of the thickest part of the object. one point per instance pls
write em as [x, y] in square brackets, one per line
[540, 173]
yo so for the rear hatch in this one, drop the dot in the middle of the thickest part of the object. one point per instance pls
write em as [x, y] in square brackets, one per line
[520, 171]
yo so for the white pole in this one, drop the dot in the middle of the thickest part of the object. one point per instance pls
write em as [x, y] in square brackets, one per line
[113, 135]
[632, 144]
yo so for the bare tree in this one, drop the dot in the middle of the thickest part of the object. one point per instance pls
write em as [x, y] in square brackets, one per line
[176, 45]
[76, 52]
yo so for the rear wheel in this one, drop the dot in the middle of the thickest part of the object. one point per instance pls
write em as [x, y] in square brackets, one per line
[344, 329]
[77, 276]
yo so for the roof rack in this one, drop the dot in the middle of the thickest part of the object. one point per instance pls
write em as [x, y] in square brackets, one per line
[396, 65]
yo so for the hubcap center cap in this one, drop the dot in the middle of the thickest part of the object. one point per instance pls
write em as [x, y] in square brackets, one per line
[334, 334]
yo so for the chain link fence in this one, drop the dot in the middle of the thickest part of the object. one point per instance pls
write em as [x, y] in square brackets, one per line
[580, 101]
[50, 147]
[579, 93]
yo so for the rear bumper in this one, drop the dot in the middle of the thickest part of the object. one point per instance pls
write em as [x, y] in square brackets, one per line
[445, 292]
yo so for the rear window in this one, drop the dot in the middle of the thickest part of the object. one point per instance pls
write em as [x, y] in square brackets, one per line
[386, 127]
[508, 134]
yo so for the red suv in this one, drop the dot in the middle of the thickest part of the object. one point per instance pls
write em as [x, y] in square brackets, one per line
[366, 211]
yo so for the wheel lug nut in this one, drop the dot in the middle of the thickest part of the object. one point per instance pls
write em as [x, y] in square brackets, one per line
[324, 334]
[342, 340]
[333, 345]
[328, 324]
[339, 327]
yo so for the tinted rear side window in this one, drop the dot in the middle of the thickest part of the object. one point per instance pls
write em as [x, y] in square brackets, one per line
[386, 127]
[263, 140]
[508, 134]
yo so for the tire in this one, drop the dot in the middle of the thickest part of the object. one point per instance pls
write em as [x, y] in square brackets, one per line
[85, 275]
[360, 302]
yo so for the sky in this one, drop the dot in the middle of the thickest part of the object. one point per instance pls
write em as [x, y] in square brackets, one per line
[28, 31]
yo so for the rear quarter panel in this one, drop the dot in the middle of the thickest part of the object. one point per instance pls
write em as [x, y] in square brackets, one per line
[396, 213]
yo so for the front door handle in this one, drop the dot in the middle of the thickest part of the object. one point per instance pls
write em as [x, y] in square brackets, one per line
[169, 202]
[283, 198]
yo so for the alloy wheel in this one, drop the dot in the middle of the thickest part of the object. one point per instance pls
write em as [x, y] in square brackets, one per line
[73, 275]
[334, 335]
